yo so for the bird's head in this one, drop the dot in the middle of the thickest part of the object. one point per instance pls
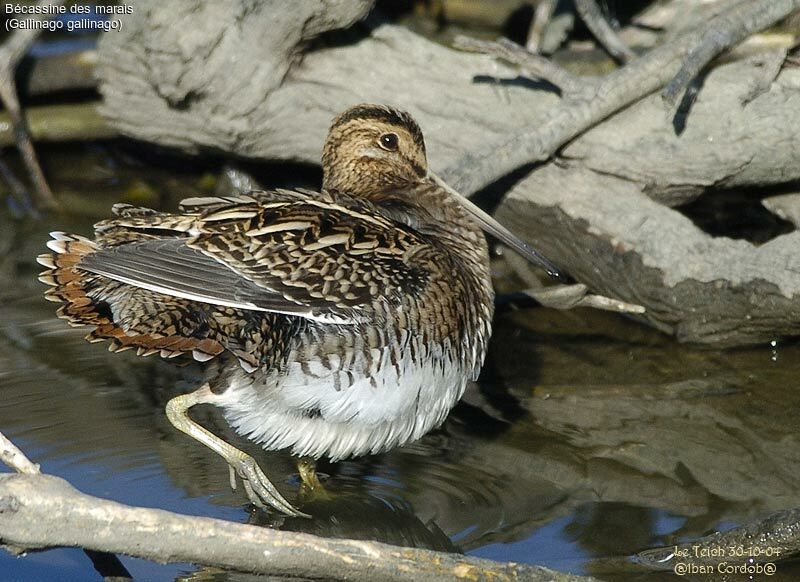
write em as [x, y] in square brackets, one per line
[373, 148]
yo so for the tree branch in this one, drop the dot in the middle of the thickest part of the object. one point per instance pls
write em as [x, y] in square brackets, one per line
[530, 64]
[730, 28]
[541, 16]
[593, 17]
[639, 78]
[106, 564]
[11, 52]
[41, 511]
[15, 458]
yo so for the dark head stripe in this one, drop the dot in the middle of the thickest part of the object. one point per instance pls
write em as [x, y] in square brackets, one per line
[385, 114]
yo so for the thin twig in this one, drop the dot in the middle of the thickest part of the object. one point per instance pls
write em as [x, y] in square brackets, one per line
[564, 296]
[530, 64]
[107, 564]
[732, 26]
[577, 295]
[15, 458]
[617, 90]
[17, 190]
[12, 51]
[541, 16]
[596, 22]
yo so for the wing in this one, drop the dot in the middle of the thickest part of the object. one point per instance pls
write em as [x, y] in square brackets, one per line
[316, 258]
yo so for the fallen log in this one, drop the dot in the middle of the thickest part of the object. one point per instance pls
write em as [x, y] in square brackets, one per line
[712, 291]
[41, 511]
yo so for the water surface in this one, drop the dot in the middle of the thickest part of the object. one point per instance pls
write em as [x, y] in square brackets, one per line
[588, 437]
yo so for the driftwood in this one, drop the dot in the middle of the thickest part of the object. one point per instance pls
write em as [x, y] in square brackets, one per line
[641, 77]
[593, 17]
[40, 511]
[107, 565]
[711, 291]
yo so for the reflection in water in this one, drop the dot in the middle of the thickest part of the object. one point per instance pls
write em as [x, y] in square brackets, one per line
[346, 515]
[587, 437]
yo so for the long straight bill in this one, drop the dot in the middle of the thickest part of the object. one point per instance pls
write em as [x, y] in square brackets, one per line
[497, 230]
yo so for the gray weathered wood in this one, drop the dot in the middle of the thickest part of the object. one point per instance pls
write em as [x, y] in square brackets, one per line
[625, 245]
[186, 99]
[40, 511]
[204, 95]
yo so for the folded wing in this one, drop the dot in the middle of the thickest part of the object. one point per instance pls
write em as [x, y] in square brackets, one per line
[318, 259]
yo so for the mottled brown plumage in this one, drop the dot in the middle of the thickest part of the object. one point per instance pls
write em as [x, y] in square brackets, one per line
[346, 321]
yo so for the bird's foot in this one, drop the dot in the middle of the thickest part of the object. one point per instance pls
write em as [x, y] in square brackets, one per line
[259, 489]
[257, 486]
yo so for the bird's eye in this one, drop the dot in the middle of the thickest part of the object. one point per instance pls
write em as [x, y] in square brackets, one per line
[389, 142]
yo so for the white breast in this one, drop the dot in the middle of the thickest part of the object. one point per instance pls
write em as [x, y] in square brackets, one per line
[349, 415]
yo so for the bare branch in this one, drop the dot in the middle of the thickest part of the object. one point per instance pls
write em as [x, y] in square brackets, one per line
[571, 296]
[564, 296]
[17, 189]
[541, 16]
[572, 117]
[106, 564]
[15, 458]
[11, 53]
[731, 27]
[40, 511]
[531, 64]
[593, 17]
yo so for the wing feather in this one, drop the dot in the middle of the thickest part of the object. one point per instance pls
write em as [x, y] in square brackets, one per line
[318, 259]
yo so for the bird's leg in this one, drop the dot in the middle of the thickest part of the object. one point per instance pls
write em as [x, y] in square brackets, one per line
[307, 467]
[256, 484]
[308, 472]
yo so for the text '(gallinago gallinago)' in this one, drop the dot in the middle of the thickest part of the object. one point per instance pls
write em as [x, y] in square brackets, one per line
[342, 322]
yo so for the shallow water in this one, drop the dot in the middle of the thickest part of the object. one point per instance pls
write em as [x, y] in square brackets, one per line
[587, 439]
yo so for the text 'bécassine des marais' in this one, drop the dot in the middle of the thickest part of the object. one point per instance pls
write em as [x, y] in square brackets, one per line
[44, 17]
[30, 9]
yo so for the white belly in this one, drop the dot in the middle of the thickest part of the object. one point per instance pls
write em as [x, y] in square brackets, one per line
[349, 415]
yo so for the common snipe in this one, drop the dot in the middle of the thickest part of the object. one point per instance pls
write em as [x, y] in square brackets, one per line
[342, 322]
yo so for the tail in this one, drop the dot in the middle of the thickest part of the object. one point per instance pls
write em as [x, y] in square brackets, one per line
[69, 284]
[118, 311]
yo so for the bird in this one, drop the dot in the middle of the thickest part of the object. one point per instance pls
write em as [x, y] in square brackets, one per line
[334, 323]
